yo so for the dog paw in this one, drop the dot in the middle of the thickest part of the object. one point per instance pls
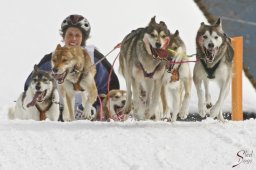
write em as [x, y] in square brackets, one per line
[174, 118]
[215, 111]
[183, 115]
[221, 118]
[202, 112]
[67, 119]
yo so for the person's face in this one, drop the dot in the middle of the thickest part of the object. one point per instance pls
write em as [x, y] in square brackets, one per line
[73, 37]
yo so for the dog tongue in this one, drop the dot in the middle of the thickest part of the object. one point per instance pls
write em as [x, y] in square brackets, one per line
[33, 102]
[163, 54]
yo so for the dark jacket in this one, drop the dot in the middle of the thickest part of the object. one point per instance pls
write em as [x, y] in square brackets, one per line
[101, 77]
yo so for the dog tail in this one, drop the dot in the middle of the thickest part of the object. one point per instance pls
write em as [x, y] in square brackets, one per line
[11, 111]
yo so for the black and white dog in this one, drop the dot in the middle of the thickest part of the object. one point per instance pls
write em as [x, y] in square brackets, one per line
[216, 55]
[40, 101]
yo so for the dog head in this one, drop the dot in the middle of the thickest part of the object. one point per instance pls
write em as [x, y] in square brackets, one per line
[42, 85]
[156, 38]
[176, 46]
[64, 60]
[113, 106]
[209, 39]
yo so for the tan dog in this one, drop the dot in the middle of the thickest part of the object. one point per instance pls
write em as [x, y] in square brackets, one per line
[74, 72]
[113, 105]
[177, 80]
[142, 69]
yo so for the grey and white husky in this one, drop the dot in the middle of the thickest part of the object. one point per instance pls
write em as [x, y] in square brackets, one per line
[177, 80]
[143, 69]
[216, 55]
[40, 101]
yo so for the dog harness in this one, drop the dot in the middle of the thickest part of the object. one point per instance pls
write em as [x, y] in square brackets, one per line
[42, 114]
[76, 85]
[210, 71]
[150, 75]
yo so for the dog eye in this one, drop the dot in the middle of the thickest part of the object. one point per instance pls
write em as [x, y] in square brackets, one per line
[216, 37]
[175, 48]
[205, 37]
[34, 79]
[117, 97]
[44, 80]
[163, 36]
[153, 35]
[64, 60]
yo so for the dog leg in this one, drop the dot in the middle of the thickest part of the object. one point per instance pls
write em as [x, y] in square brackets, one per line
[200, 94]
[71, 106]
[54, 112]
[88, 113]
[65, 112]
[207, 94]
[220, 117]
[154, 99]
[175, 103]
[184, 111]
[89, 96]
[128, 103]
[165, 103]
[224, 90]
[68, 102]
[138, 100]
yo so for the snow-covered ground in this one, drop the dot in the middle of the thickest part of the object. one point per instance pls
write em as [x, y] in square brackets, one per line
[30, 30]
[130, 145]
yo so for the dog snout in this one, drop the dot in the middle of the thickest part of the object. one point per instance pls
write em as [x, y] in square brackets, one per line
[210, 45]
[54, 70]
[38, 86]
[123, 102]
[158, 45]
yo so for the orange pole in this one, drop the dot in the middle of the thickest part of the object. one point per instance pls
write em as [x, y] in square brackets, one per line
[237, 96]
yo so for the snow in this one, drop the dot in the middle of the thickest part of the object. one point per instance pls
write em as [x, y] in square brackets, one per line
[34, 25]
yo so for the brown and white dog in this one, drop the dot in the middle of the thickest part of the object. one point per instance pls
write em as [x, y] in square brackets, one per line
[74, 72]
[142, 67]
[177, 80]
[112, 106]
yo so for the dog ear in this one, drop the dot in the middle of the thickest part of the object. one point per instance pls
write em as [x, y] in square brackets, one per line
[176, 33]
[36, 68]
[230, 51]
[153, 20]
[218, 22]
[201, 26]
[162, 23]
[58, 47]
[218, 25]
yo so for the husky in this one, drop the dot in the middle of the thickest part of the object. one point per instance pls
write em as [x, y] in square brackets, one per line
[73, 69]
[113, 105]
[40, 101]
[216, 56]
[142, 66]
[177, 80]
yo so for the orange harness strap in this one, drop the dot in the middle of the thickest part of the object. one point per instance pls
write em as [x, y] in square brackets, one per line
[76, 85]
[42, 114]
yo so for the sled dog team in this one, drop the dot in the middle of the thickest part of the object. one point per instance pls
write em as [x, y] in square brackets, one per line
[154, 64]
